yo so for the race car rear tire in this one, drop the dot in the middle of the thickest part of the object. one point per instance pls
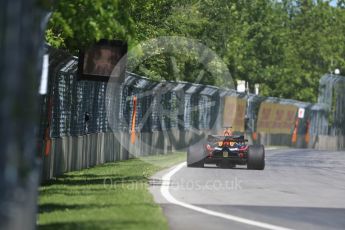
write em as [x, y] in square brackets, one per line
[196, 155]
[256, 157]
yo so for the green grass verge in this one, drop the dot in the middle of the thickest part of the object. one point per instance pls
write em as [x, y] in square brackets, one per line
[109, 196]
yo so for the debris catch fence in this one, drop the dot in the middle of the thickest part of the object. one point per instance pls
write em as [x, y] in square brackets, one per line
[75, 130]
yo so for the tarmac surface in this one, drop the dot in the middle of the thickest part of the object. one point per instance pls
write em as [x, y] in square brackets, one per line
[299, 189]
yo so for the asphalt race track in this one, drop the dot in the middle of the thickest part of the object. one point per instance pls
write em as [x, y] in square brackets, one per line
[299, 189]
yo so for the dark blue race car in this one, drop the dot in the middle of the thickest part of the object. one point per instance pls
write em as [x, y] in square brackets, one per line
[227, 152]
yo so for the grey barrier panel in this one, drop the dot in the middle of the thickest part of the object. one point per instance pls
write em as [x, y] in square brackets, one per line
[209, 106]
[332, 97]
[253, 106]
[192, 98]
[180, 97]
[160, 103]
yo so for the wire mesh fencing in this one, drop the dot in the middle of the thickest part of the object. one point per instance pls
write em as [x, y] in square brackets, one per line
[169, 116]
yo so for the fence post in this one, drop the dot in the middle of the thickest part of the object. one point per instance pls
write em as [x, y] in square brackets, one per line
[21, 49]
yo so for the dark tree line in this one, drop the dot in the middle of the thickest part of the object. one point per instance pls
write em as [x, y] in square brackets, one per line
[285, 45]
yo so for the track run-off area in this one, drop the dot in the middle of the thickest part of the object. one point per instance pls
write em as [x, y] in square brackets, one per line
[299, 189]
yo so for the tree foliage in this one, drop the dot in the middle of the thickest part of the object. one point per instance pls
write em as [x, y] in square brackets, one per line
[284, 45]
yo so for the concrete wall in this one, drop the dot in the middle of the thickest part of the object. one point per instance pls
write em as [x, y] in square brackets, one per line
[71, 153]
[331, 143]
[78, 152]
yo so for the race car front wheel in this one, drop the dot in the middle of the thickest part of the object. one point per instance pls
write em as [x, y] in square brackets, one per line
[256, 157]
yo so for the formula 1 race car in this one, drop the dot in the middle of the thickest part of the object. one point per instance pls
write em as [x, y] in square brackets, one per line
[226, 152]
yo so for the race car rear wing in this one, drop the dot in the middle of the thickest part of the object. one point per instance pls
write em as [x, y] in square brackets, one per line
[226, 138]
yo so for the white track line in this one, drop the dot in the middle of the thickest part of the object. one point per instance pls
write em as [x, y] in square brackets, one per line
[167, 195]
